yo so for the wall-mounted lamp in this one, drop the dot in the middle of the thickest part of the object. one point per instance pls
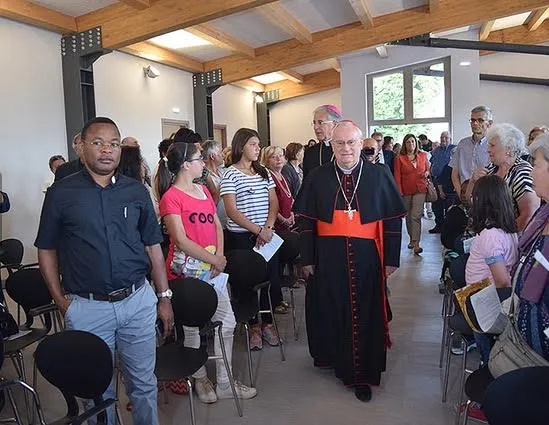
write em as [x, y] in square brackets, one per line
[151, 72]
[465, 63]
[258, 98]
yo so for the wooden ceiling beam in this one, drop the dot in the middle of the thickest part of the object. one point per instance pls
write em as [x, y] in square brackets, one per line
[312, 83]
[222, 40]
[519, 35]
[277, 15]
[40, 16]
[362, 12]
[292, 75]
[486, 29]
[352, 37]
[137, 4]
[154, 53]
[122, 25]
[433, 5]
[537, 18]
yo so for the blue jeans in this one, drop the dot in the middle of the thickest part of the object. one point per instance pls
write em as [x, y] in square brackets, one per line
[129, 327]
[484, 346]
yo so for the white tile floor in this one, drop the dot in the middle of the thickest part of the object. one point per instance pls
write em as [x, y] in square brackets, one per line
[293, 392]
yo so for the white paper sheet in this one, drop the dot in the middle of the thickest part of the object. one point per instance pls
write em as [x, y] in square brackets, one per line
[270, 248]
[488, 310]
[219, 283]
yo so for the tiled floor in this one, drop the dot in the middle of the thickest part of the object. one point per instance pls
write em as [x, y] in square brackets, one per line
[293, 392]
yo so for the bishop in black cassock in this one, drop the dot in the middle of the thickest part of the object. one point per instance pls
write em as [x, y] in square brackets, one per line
[350, 219]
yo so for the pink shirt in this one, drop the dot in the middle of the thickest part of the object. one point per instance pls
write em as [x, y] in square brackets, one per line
[489, 247]
[197, 216]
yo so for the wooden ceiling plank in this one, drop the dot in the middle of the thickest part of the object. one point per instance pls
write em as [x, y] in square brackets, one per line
[486, 29]
[137, 4]
[312, 83]
[363, 12]
[250, 85]
[40, 16]
[122, 25]
[222, 40]
[292, 75]
[520, 35]
[277, 15]
[352, 37]
[537, 18]
[433, 5]
[157, 54]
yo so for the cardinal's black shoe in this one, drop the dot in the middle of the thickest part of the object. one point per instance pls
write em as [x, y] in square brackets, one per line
[364, 393]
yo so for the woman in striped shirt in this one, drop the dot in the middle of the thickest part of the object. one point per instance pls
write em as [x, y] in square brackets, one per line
[505, 145]
[248, 193]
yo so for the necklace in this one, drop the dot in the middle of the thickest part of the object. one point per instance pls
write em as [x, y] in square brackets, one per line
[283, 184]
[321, 145]
[350, 212]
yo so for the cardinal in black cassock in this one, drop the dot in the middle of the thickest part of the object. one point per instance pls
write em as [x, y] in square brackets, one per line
[350, 219]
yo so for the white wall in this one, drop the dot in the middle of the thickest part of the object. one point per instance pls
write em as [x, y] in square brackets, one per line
[521, 104]
[234, 107]
[137, 104]
[32, 123]
[291, 119]
[464, 80]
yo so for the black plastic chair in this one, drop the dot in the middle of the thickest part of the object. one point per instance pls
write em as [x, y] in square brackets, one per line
[28, 289]
[194, 303]
[475, 389]
[11, 258]
[80, 365]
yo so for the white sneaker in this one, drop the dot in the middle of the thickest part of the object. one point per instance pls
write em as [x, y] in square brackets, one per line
[205, 391]
[242, 391]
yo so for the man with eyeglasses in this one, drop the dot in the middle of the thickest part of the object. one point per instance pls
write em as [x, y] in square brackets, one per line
[325, 118]
[349, 215]
[472, 152]
[98, 229]
[378, 137]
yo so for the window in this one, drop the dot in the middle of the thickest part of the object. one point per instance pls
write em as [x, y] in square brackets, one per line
[415, 99]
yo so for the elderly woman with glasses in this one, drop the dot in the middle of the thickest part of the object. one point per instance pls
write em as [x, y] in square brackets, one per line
[411, 173]
[505, 146]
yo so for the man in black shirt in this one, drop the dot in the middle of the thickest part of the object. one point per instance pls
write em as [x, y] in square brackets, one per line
[99, 229]
[73, 166]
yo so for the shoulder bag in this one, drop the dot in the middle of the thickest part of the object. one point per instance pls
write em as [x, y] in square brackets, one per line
[510, 351]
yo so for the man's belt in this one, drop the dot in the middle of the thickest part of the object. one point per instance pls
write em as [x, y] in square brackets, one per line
[114, 296]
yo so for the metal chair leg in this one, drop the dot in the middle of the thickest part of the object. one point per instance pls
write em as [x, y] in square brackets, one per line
[23, 377]
[462, 377]
[14, 407]
[281, 343]
[447, 367]
[250, 369]
[292, 298]
[465, 413]
[229, 372]
[191, 401]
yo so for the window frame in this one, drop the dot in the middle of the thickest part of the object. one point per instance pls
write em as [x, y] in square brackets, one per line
[408, 74]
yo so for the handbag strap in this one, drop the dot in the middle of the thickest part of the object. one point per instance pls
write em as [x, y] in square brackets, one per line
[518, 271]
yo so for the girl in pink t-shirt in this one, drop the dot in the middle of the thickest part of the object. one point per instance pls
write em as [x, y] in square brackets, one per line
[495, 250]
[196, 250]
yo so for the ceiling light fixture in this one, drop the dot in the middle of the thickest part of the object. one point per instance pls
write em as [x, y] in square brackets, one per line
[270, 78]
[179, 39]
[465, 63]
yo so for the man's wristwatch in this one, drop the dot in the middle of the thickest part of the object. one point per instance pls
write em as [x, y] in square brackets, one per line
[166, 294]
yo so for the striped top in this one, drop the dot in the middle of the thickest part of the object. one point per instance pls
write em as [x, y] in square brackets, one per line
[252, 196]
[518, 179]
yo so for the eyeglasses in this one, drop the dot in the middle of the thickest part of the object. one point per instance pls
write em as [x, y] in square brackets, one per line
[200, 158]
[341, 143]
[320, 122]
[98, 145]
[479, 120]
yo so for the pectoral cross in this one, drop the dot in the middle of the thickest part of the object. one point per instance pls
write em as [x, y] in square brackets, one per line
[350, 213]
